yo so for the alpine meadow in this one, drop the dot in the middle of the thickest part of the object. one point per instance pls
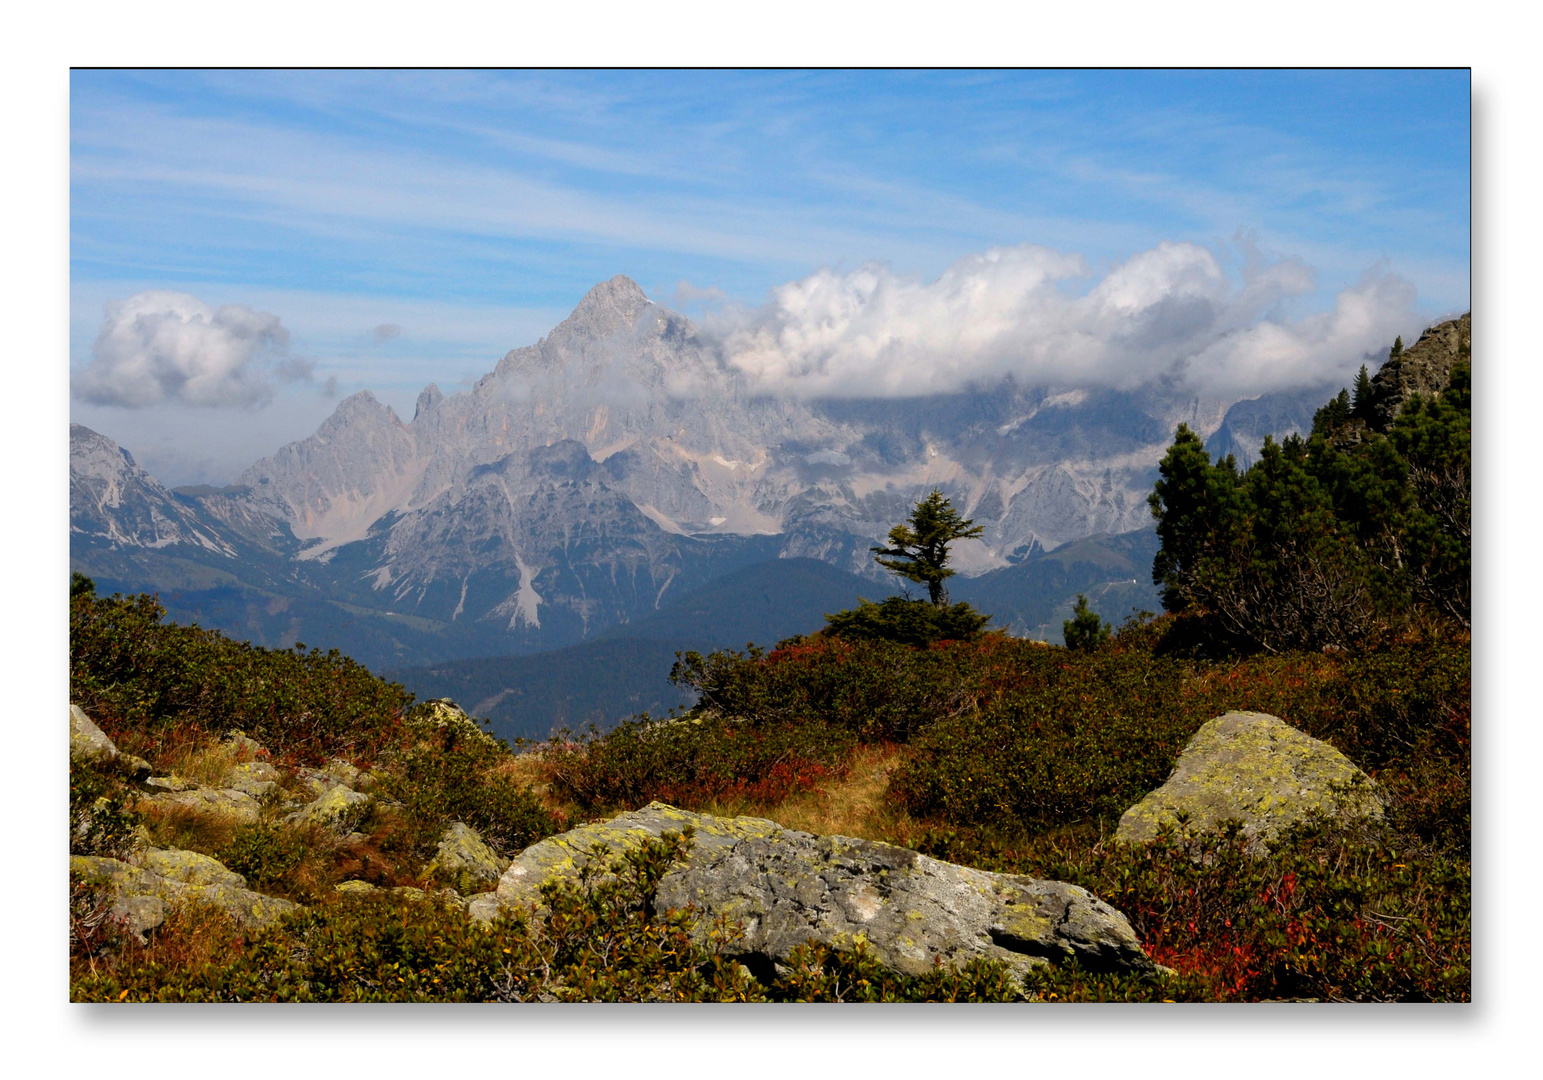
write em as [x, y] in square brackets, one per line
[912, 558]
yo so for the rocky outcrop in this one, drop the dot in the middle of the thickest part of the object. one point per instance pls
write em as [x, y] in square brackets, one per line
[1259, 770]
[464, 862]
[787, 887]
[1425, 368]
[142, 892]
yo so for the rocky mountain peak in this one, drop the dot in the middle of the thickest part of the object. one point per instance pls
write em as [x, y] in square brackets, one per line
[609, 308]
[431, 396]
[1423, 368]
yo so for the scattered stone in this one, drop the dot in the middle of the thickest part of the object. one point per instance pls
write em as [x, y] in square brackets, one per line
[216, 802]
[344, 771]
[787, 887]
[141, 897]
[1257, 769]
[188, 867]
[337, 807]
[464, 861]
[256, 778]
[136, 769]
[245, 746]
[354, 888]
[442, 714]
[169, 783]
[89, 744]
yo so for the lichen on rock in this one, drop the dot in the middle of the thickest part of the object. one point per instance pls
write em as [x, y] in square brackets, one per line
[464, 861]
[1256, 769]
[787, 887]
[141, 895]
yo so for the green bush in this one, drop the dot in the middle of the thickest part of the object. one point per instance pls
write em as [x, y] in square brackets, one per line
[1081, 736]
[443, 778]
[906, 622]
[137, 676]
[102, 821]
[878, 690]
[264, 854]
[1363, 913]
[695, 760]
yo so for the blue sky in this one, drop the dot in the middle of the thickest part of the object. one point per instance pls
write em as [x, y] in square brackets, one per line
[466, 212]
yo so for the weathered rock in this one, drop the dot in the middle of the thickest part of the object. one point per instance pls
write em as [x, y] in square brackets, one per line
[255, 778]
[189, 867]
[354, 888]
[89, 744]
[221, 802]
[442, 714]
[464, 861]
[337, 807]
[1258, 769]
[245, 745]
[168, 783]
[141, 897]
[787, 887]
[135, 768]
[1425, 368]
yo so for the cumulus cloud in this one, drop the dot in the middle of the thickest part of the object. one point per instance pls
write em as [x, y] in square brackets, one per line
[168, 346]
[1168, 314]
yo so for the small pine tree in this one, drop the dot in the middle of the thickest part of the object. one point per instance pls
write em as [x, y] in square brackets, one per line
[1398, 348]
[919, 551]
[1085, 630]
[1361, 401]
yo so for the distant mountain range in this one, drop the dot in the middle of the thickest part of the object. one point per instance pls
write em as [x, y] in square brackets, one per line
[625, 670]
[595, 481]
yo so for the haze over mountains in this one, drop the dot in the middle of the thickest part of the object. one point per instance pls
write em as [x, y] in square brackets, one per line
[597, 477]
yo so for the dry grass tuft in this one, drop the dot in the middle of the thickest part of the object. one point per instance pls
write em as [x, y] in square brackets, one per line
[207, 763]
[852, 806]
[187, 829]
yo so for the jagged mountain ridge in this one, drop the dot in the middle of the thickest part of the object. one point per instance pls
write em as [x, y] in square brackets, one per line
[655, 430]
[619, 462]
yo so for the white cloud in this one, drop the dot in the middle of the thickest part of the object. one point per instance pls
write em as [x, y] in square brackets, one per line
[167, 346]
[1169, 313]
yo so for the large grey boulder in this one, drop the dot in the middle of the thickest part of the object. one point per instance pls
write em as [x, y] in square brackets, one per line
[464, 862]
[787, 887]
[1257, 769]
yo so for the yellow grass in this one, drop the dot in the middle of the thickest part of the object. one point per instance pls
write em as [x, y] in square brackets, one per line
[853, 806]
[206, 763]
